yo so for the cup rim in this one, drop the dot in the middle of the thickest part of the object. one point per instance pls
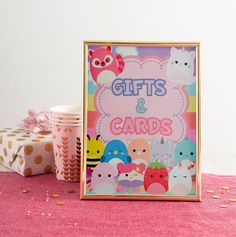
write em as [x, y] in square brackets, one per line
[63, 117]
[67, 109]
[65, 121]
[66, 125]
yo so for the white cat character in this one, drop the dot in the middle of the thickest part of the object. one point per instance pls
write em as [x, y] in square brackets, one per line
[163, 152]
[190, 165]
[180, 180]
[180, 66]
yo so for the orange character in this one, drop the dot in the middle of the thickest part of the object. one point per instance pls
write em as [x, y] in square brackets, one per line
[140, 150]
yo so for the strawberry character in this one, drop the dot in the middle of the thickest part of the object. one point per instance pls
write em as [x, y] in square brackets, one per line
[156, 178]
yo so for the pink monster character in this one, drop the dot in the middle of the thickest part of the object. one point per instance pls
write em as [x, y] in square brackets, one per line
[104, 65]
[131, 177]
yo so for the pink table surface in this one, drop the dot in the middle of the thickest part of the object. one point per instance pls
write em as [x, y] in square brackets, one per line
[29, 214]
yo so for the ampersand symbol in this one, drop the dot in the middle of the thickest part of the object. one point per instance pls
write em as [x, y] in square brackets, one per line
[140, 106]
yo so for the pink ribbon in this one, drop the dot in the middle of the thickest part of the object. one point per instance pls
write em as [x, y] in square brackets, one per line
[36, 122]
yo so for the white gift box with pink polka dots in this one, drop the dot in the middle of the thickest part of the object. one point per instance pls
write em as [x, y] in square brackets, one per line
[27, 154]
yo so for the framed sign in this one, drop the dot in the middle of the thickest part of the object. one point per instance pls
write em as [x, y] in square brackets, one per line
[141, 121]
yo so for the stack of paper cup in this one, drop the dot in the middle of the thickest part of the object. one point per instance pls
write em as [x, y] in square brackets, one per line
[66, 125]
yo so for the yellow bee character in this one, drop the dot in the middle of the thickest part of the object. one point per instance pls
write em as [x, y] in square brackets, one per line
[95, 149]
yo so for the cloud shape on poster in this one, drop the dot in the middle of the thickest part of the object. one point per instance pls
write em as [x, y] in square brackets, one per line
[151, 68]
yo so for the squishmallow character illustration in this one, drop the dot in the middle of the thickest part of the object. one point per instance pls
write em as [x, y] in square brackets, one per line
[190, 165]
[95, 149]
[163, 152]
[140, 150]
[88, 179]
[180, 66]
[103, 179]
[116, 152]
[131, 176]
[180, 180]
[185, 150]
[156, 178]
[104, 65]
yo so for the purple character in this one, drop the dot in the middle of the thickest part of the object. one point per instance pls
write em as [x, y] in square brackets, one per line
[103, 179]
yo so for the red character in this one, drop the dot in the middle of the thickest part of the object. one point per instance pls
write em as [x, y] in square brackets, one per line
[104, 65]
[156, 179]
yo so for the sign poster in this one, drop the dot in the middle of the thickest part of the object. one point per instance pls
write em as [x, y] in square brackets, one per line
[141, 121]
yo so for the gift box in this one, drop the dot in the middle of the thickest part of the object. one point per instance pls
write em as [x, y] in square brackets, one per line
[25, 153]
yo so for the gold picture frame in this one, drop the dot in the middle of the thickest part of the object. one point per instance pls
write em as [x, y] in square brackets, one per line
[93, 79]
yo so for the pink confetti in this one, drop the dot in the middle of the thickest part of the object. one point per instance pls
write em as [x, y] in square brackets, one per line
[49, 214]
[75, 224]
[42, 214]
